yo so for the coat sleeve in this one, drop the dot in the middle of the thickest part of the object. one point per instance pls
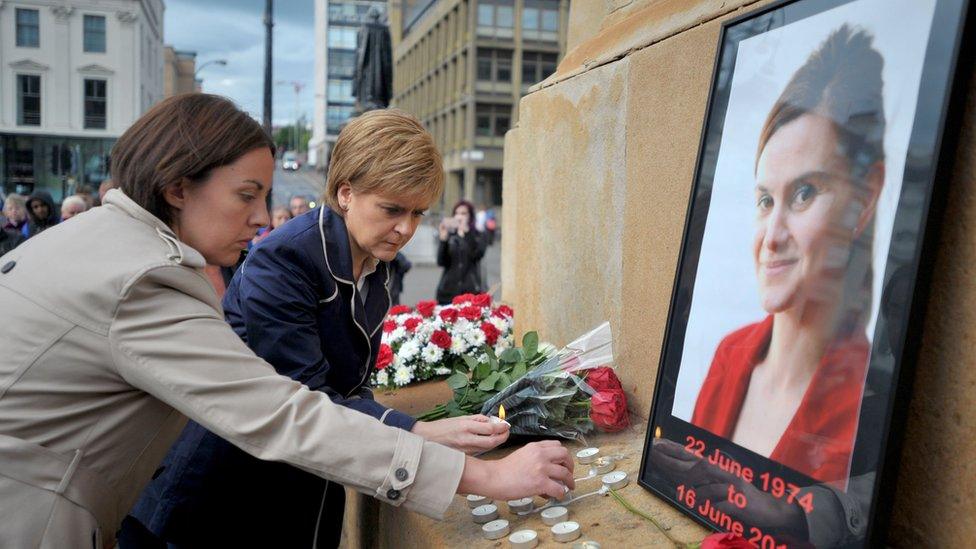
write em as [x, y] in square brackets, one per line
[276, 303]
[444, 253]
[168, 341]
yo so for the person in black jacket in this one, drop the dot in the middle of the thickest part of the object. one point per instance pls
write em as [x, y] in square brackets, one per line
[9, 240]
[41, 213]
[460, 252]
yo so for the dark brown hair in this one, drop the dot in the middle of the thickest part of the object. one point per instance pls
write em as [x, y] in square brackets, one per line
[182, 137]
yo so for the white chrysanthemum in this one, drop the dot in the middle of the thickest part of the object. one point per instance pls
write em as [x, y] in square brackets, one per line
[432, 353]
[442, 371]
[500, 323]
[382, 378]
[436, 323]
[402, 376]
[398, 334]
[461, 325]
[475, 337]
[409, 349]
[458, 345]
[502, 344]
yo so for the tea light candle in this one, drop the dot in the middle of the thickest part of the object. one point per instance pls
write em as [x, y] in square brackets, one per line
[567, 497]
[524, 539]
[587, 455]
[554, 515]
[616, 480]
[495, 529]
[520, 505]
[484, 513]
[586, 545]
[602, 465]
[476, 501]
[566, 531]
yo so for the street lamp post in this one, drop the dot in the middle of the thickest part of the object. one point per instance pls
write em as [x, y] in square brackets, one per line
[221, 62]
[298, 87]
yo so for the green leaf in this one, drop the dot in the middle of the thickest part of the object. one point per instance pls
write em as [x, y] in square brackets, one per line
[471, 362]
[511, 355]
[489, 382]
[457, 381]
[519, 370]
[503, 382]
[530, 343]
[453, 410]
[482, 371]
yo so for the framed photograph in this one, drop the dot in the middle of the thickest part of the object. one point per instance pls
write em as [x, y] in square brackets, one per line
[787, 359]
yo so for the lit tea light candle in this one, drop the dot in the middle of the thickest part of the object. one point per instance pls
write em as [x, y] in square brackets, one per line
[477, 501]
[616, 480]
[495, 529]
[500, 418]
[484, 513]
[520, 505]
[587, 455]
[555, 515]
[524, 539]
[602, 465]
[566, 531]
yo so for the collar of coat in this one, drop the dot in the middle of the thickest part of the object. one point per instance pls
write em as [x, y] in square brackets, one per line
[179, 251]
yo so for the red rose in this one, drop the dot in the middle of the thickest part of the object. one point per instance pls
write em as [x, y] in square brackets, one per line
[504, 311]
[399, 310]
[491, 332]
[481, 300]
[609, 411]
[411, 324]
[385, 356]
[725, 540]
[471, 313]
[603, 379]
[441, 338]
[449, 314]
[463, 298]
[426, 308]
[389, 326]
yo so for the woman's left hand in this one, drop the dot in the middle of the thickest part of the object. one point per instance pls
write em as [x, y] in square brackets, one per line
[469, 434]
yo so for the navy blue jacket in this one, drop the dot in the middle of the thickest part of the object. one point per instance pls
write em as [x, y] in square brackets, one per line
[296, 306]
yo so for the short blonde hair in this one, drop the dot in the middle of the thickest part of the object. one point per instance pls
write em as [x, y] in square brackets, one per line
[385, 151]
[75, 199]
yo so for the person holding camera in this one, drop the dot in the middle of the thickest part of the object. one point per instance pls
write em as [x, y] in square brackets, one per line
[460, 252]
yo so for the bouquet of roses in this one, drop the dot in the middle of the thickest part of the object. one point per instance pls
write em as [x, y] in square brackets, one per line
[432, 340]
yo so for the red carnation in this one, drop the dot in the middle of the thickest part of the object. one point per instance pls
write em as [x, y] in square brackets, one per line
[725, 540]
[426, 308]
[481, 300]
[399, 310]
[491, 332]
[385, 356]
[609, 411]
[411, 324]
[471, 313]
[450, 314]
[603, 379]
[463, 298]
[504, 311]
[441, 338]
[389, 326]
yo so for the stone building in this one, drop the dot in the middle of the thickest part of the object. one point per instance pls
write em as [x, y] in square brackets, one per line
[73, 76]
[461, 67]
[179, 72]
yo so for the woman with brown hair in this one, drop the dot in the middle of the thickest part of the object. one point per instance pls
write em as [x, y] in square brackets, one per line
[819, 172]
[101, 369]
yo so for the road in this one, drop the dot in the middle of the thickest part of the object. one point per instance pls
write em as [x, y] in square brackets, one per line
[421, 282]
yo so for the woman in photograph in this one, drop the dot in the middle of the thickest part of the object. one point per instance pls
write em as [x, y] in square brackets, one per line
[100, 369]
[459, 253]
[311, 300]
[789, 387]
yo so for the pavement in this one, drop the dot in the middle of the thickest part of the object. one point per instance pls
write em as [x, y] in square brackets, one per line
[421, 282]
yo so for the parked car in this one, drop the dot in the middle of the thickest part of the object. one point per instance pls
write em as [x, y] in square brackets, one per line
[289, 161]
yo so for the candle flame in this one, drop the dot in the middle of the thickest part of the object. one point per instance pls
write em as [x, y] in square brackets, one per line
[657, 432]
[501, 412]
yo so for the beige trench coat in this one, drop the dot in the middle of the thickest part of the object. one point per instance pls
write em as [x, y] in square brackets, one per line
[111, 337]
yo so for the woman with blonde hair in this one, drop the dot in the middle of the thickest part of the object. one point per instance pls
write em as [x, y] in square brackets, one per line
[101, 369]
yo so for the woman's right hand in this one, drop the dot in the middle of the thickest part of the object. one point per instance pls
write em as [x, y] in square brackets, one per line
[537, 469]
[442, 229]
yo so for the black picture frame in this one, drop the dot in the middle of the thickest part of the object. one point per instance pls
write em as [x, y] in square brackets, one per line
[863, 514]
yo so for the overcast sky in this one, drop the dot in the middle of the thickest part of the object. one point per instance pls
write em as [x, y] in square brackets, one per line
[234, 30]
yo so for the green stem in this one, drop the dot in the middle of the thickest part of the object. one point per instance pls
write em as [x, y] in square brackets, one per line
[628, 506]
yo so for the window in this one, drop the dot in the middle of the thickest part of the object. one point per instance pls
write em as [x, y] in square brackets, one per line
[335, 117]
[486, 15]
[94, 34]
[540, 20]
[28, 100]
[340, 91]
[342, 63]
[550, 20]
[95, 104]
[495, 65]
[492, 120]
[496, 18]
[28, 28]
[342, 37]
[530, 19]
[537, 66]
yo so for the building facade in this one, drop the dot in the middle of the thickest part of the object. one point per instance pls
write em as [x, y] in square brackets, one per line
[337, 24]
[179, 72]
[461, 66]
[74, 74]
